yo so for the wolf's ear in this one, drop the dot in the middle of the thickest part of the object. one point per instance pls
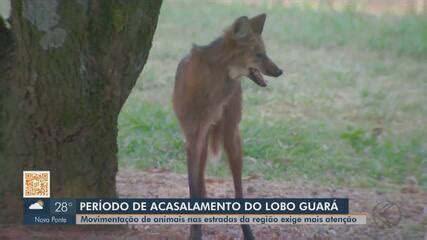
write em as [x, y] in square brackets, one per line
[257, 23]
[241, 27]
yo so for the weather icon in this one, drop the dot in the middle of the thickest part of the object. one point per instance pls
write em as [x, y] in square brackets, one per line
[37, 205]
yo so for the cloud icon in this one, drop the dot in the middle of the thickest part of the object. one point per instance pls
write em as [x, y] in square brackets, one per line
[36, 205]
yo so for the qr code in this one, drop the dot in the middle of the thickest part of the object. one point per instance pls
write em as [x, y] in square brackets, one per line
[36, 184]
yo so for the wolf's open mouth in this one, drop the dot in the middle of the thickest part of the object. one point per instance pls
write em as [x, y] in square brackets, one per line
[257, 77]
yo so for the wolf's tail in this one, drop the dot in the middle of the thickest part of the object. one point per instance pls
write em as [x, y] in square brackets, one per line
[215, 143]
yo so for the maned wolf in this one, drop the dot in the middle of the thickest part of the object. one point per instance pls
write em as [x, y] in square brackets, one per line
[207, 100]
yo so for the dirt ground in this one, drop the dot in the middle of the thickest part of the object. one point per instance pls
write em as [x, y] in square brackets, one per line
[157, 183]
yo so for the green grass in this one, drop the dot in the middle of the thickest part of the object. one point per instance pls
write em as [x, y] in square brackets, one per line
[406, 35]
[351, 109]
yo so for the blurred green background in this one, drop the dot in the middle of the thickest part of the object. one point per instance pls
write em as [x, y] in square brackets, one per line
[351, 109]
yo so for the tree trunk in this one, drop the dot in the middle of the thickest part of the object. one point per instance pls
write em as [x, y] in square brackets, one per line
[66, 69]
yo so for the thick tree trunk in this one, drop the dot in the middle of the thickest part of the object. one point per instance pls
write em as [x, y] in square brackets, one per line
[66, 69]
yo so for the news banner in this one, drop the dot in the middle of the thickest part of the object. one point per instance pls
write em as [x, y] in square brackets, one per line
[40, 208]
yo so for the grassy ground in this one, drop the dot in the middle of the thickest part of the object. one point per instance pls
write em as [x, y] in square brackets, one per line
[351, 109]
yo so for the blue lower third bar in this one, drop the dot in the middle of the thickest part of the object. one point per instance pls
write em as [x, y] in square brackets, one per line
[64, 211]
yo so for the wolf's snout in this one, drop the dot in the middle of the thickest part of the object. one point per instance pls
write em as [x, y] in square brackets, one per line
[271, 69]
[275, 72]
[278, 72]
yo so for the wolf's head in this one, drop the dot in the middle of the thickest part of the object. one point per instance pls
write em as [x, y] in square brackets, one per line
[248, 54]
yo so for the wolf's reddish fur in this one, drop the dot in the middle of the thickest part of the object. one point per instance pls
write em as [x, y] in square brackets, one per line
[207, 100]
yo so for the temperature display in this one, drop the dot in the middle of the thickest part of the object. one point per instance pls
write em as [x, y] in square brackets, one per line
[62, 206]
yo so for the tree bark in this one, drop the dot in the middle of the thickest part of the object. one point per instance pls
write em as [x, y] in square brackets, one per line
[66, 69]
